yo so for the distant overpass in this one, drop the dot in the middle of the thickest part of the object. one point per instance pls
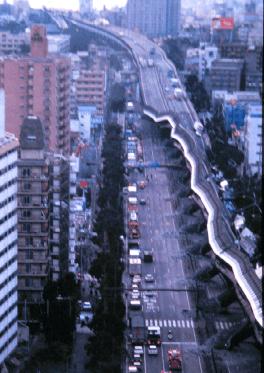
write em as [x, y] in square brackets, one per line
[181, 115]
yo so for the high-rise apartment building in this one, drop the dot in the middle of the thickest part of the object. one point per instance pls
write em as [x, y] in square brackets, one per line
[38, 85]
[154, 18]
[8, 239]
[46, 183]
[33, 218]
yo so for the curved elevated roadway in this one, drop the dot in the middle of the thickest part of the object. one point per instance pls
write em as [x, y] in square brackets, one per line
[161, 106]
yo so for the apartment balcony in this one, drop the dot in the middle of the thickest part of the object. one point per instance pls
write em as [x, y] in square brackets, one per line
[34, 234]
[30, 288]
[33, 274]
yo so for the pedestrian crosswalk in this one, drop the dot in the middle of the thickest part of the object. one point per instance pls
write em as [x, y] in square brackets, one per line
[186, 323]
[221, 325]
[170, 323]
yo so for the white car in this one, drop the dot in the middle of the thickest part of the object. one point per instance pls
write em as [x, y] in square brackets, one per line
[152, 350]
[86, 306]
[149, 278]
[135, 292]
[135, 296]
[136, 279]
[134, 287]
[138, 350]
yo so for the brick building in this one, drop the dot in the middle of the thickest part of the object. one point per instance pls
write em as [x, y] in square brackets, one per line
[38, 85]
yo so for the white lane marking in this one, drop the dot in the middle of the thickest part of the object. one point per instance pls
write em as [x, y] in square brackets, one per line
[156, 322]
[169, 323]
[162, 358]
[230, 324]
[221, 325]
[160, 322]
[188, 324]
[226, 325]
[165, 323]
[147, 322]
[192, 323]
[145, 360]
[217, 325]
[183, 323]
[179, 323]
[174, 323]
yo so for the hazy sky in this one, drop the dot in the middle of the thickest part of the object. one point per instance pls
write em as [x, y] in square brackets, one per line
[74, 4]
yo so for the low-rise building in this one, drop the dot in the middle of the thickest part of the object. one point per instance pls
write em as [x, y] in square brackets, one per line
[226, 74]
[58, 43]
[13, 43]
[235, 106]
[253, 140]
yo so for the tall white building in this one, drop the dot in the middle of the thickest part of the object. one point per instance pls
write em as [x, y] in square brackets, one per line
[253, 140]
[86, 6]
[8, 239]
[207, 54]
[154, 18]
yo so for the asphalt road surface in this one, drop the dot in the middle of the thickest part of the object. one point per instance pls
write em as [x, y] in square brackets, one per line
[167, 309]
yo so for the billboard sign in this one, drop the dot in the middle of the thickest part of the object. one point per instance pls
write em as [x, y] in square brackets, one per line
[221, 23]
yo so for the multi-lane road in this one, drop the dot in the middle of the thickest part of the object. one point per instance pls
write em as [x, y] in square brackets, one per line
[170, 307]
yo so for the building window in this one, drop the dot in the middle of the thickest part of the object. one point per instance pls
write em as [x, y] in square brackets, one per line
[29, 254]
[29, 240]
[26, 172]
[26, 200]
[26, 214]
[28, 282]
[28, 267]
[27, 186]
[26, 227]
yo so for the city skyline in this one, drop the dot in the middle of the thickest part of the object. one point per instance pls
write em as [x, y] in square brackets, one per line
[74, 4]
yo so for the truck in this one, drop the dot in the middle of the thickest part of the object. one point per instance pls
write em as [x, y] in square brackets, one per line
[153, 335]
[148, 256]
[174, 359]
[130, 106]
[134, 265]
[138, 329]
[198, 128]
[175, 82]
[178, 93]
[150, 62]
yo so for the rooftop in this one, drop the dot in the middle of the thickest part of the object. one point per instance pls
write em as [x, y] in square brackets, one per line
[32, 134]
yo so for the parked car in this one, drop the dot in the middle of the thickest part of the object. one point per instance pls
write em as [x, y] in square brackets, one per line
[142, 201]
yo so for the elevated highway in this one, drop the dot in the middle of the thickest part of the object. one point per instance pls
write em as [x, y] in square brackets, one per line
[162, 107]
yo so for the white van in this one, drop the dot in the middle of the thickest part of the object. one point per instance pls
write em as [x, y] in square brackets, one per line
[133, 216]
[132, 369]
[132, 200]
[135, 304]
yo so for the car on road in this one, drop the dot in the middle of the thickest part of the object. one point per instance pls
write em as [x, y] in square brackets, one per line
[141, 184]
[136, 279]
[152, 350]
[149, 278]
[138, 350]
[135, 292]
[86, 306]
[135, 296]
[142, 201]
[134, 287]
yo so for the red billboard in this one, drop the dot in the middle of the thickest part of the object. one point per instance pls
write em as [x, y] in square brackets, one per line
[222, 23]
